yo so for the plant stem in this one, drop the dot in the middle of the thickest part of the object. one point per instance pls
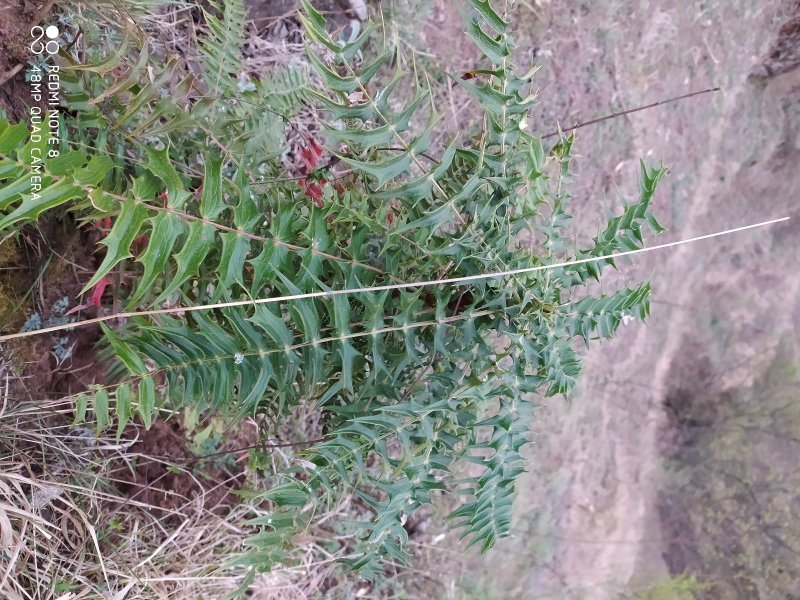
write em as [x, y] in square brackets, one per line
[393, 286]
[631, 111]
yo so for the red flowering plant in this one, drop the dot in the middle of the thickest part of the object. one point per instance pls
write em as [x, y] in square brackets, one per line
[315, 179]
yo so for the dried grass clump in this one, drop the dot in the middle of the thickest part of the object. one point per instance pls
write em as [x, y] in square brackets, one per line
[68, 533]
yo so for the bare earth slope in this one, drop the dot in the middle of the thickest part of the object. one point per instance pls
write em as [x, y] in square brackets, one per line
[589, 521]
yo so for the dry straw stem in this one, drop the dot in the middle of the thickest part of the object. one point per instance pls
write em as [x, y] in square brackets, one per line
[394, 286]
[631, 111]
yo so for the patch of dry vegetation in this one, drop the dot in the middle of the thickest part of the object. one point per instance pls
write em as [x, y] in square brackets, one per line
[69, 532]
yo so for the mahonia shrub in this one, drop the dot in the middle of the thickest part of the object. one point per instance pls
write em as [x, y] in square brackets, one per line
[415, 381]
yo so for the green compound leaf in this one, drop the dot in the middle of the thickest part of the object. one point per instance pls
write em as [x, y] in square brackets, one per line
[81, 405]
[34, 204]
[100, 409]
[11, 136]
[485, 10]
[124, 410]
[118, 242]
[196, 247]
[147, 401]
[165, 230]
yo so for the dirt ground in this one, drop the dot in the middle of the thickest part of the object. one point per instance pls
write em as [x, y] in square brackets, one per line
[591, 516]
[16, 19]
[43, 272]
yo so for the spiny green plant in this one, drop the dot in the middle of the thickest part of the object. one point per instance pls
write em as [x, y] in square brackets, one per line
[414, 381]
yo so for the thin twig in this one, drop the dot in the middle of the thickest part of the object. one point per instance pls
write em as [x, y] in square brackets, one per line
[422, 154]
[10, 73]
[435, 354]
[194, 459]
[382, 288]
[631, 111]
[43, 11]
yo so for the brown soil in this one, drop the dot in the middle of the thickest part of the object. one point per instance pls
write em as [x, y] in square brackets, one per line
[16, 19]
[264, 12]
[784, 54]
[52, 262]
[168, 475]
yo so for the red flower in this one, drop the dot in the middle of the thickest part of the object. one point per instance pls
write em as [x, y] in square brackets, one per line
[314, 188]
[311, 155]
